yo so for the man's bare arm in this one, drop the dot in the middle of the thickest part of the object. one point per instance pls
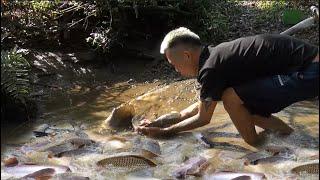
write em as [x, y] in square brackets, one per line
[170, 119]
[189, 111]
[203, 117]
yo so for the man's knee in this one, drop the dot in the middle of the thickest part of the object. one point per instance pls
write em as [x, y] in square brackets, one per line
[230, 99]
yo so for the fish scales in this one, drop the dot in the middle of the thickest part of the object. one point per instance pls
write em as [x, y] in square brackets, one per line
[126, 161]
[308, 168]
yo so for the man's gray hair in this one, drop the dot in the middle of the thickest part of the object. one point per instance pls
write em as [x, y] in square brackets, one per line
[181, 34]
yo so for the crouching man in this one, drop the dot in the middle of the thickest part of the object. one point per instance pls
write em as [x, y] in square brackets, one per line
[253, 76]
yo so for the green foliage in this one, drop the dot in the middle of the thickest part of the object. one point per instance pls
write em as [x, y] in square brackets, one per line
[14, 76]
[292, 16]
[40, 5]
[28, 21]
[270, 10]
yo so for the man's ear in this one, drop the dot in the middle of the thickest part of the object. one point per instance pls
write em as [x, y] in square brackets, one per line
[187, 54]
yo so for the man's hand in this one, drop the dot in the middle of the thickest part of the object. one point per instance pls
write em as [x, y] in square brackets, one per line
[152, 131]
[163, 121]
[144, 122]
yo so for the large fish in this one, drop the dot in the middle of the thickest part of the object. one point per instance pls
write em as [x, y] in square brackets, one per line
[37, 145]
[121, 117]
[79, 142]
[26, 169]
[11, 161]
[69, 176]
[148, 147]
[69, 145]
[226, 175]
[203, 139]
[75, 152]
[307, 168]
[57, 144]
[165, 120]
[194, 166]
[128, 161]
[269, 154]
[42, 174]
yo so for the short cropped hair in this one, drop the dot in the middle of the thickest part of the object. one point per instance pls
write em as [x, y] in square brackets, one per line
[181, 35]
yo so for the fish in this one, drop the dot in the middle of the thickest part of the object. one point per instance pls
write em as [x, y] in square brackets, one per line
[148, 147]
[269, 154]
[43, 174]
[306, 168]
[194, 166]
[11, 161]
[60, 148]
[79, 142]
[70, 176]
[242, 178]
[267, 160]
[75, 152]
[204, 140]
[121, 117]
[69, 145]
[165, 120]
[37, 145]
[275, 150]
[25, 169]
[227, 175]
[129, 161]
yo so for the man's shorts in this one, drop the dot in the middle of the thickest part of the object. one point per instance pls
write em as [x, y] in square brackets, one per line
[270, 95]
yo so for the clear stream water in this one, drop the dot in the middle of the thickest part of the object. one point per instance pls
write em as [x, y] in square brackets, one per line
[89, 98]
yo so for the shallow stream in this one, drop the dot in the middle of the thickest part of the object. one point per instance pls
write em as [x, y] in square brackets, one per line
[87, 100]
